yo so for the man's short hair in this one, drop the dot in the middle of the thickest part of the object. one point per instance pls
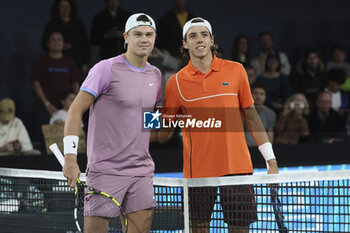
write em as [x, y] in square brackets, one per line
[321, 93]
[337, 75]
[338, 47]
[66, 93]
[248, 66]
[258, 85]
[264, 33]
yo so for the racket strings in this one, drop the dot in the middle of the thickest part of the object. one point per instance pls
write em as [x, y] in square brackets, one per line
[93, 204]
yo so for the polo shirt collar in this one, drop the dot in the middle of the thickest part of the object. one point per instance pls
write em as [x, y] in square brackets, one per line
[215, 66]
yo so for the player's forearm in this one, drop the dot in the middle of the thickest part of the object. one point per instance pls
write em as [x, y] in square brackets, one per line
[271, 135]
[255, 126]
[75, 113]
[73, 122]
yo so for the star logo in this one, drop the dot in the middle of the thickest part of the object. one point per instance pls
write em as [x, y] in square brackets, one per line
[155, 115]
[151, 120]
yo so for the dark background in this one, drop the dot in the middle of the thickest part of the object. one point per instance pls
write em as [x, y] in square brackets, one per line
[296, 25]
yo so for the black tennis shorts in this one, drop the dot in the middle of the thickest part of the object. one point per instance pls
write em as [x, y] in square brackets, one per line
[237, 202]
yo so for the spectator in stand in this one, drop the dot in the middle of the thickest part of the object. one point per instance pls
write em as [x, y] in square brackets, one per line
[338, 61]
[267, 44]
[240, 50]
[218, 51]
[277, 84]
[292, 126]
[324, 123]
[251, 74]
[64, 14]
[169, 28]
[13, 134]
[165, 62]
[310, 76]
[67, 98]
[52, 74]
[107, 29]
[267, 115]
[336, 78]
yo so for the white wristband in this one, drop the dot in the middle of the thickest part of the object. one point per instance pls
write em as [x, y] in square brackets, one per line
[70, 144]
[266, 151]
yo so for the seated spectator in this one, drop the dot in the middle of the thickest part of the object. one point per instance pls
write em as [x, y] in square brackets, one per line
[324, 123]
[107, 29]
[310, 76]
[267, 44]
[336, 78]
[251, 74]
[267, 115]
[65, 19]
[59, 117]
[240, 50]
[338, 61]
[292, 123]
[277, 84]
[13, 134]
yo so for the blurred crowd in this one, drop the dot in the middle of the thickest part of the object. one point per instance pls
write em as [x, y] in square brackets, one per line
[305, 102]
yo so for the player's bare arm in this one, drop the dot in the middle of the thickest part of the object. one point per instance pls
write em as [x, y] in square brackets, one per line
[72, 127]
[259, 134]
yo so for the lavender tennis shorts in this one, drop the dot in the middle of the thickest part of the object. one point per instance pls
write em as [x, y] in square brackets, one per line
[132, 193]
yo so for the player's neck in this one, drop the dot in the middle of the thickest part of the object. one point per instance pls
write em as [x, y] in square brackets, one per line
[202, 64]
[136, 61]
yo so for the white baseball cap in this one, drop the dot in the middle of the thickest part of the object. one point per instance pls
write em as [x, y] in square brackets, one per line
[132, 22]
[198, 22]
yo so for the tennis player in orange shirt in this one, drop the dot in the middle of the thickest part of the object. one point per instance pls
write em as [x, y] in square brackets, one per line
[208, 82]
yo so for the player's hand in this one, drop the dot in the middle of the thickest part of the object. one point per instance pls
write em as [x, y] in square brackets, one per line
[273, 168]
[71, 169]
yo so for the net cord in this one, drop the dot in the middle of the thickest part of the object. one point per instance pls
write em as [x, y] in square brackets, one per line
[200, 182]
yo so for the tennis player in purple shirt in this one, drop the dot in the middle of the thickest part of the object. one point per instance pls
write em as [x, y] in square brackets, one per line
[116, 90]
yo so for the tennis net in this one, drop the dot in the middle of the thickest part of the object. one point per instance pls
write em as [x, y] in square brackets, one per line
[41, 201]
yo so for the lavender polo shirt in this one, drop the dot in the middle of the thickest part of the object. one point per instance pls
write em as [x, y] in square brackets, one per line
[116, 143]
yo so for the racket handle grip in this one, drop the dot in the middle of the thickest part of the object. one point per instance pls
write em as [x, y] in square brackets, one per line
[56, 151]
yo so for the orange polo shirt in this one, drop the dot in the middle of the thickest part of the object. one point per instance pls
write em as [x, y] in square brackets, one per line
[221, 93]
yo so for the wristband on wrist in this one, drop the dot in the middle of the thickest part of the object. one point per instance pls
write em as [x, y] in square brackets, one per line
[47, 103]
[267, 152]
[70, 144]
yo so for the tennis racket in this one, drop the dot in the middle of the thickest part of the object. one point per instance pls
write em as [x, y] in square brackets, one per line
[102, 203]
[276, 205]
